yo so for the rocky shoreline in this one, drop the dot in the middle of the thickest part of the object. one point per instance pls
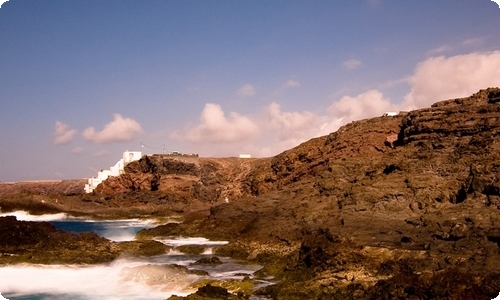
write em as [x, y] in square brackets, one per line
[403, 207]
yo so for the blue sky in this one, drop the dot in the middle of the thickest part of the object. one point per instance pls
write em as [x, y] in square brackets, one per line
[83, 81]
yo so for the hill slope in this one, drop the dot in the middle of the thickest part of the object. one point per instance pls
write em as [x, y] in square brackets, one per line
[403, 207]
[384, 208]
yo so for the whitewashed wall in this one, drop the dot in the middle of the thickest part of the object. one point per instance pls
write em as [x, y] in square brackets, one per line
[116, 170]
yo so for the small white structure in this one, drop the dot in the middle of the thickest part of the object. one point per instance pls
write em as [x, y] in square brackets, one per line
[130, 156]
[245, 156]
[116, 170]
[390, 114]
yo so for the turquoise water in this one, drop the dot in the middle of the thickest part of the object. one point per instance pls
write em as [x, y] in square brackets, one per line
[122, 230]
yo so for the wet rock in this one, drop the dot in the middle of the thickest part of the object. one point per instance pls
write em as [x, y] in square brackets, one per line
[191, 249]
[213, 260]
[40, 242]
[143, 248]
[209, 291]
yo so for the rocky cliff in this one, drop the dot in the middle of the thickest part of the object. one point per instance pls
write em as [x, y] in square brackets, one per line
[403, 207]
[396, 207]
[185, 177]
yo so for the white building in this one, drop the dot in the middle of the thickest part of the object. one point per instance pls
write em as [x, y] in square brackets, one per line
[116, 170]
[130, 156]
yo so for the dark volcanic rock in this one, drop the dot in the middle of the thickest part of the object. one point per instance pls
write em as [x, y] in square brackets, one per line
[208, 292]
[143, 248]
[356, 215]
[40, 242]
[464, 119]
[165, 164]
[403, 207]
[213, 260]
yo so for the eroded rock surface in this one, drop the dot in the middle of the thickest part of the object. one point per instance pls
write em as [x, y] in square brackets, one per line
[350, 215]
[399, 207]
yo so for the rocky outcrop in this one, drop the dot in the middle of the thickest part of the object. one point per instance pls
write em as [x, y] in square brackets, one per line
[466, 119]
[40, 242]
[393, 207]
[183, 177]
[209, 292]
[165, 164]
[351, 215]
[44, 187]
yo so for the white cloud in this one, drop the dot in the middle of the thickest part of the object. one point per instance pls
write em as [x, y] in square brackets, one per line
[285, 130]
[63, 134]
[368, 104]
[246, 91]
[215, 127]
[2, 2]
[275, 130]
[435, 79]
[441, 78]
[292, 83]
[351, 64]
[292, 125]
[119, 130]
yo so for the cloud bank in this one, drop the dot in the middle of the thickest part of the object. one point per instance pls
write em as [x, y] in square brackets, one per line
[63, 134]
[291, 125]
[119, 130]
[440, 78]
[274, 130]
[215, 127]
[368, 104]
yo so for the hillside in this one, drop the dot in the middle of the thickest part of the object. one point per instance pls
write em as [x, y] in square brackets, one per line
[403, 207]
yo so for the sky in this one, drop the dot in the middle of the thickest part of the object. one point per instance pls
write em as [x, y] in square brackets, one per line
[82, 81]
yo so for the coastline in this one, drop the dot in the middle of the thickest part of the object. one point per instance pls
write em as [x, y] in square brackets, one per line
[393, 207]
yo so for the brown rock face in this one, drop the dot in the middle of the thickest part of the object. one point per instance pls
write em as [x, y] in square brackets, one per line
[183, 177]
[355, 215]
[465, 119]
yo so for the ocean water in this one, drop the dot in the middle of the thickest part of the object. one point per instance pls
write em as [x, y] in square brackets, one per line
[115, 230]
[132, 278]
